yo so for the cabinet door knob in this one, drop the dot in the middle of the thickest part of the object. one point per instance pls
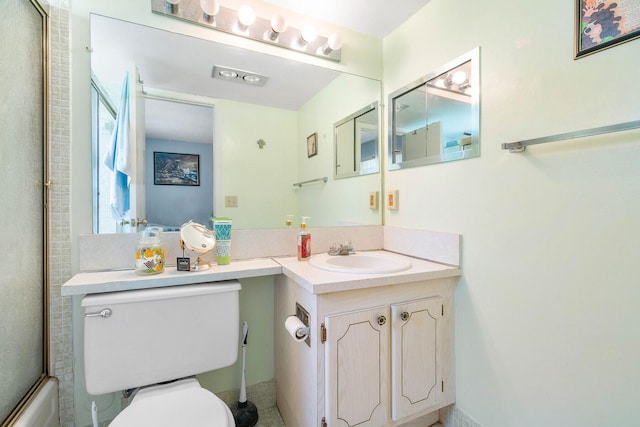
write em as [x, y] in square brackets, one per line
[404, 316]
[382, 320]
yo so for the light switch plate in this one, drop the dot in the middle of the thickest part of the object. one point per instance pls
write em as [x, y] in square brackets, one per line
[230, 201]
[392, 200]
[373, 200]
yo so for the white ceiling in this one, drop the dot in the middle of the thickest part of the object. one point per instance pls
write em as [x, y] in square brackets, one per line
[374, 17]
[178, 63]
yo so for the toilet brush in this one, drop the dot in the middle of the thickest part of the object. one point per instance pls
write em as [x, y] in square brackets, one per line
[246, 413]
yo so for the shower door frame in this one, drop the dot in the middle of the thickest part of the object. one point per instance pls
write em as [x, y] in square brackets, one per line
[28, 398]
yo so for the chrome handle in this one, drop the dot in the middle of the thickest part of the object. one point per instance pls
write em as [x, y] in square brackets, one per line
[102, 313]
[404, 316]
[382, 320]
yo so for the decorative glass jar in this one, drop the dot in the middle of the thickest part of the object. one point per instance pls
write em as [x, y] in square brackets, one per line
[150, 254]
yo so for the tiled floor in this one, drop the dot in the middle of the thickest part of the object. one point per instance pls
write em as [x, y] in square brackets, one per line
[269, 417]
[264, 397]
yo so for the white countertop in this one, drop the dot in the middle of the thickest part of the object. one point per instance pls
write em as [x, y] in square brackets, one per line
[319, 281]
[314, 280]
[124, 280]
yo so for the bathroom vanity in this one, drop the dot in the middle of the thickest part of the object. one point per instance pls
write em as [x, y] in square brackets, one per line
[380, 348]
[394, 331]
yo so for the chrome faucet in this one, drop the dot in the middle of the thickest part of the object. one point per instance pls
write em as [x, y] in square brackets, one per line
[336, 249]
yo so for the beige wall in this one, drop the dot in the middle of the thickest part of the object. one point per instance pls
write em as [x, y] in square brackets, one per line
[546, 317]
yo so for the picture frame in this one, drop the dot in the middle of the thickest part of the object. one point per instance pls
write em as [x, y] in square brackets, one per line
[601, 24]
[312, 144]
[176, 169]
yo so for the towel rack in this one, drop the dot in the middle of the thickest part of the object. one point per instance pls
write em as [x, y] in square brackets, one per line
[300, 184]
[520, 146]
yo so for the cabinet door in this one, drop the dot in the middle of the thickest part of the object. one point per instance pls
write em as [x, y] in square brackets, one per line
[356, 368]
[416, 327]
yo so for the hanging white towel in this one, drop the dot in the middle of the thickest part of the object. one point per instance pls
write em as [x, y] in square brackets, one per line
[117, 157]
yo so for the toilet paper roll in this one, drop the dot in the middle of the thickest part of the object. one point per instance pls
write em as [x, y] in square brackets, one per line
[298, 331]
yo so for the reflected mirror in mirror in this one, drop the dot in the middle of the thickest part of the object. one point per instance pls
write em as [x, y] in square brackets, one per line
[252, 130]
[356, 144]
[436, 118]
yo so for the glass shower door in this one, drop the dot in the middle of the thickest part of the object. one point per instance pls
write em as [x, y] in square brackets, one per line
[22, 205]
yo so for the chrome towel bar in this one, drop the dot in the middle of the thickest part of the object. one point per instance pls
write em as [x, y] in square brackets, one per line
[520, 146]
[300, 184]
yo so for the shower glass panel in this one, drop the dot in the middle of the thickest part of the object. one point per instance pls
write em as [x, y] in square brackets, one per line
[22, 153]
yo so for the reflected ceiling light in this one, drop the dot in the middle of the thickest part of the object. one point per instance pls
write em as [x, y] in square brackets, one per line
[244, 22]
[278, 25]
[171, 6]
[459, 77]
[246, 17]
[228, 74]
[333, 43]
[252, 79]
[239, 76]
[210, 9]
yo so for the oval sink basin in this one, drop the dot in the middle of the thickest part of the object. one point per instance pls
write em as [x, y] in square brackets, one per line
[378, 262]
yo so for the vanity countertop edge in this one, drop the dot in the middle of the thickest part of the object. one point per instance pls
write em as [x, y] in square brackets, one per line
[312, 279]
[125, 280]
[318, 281]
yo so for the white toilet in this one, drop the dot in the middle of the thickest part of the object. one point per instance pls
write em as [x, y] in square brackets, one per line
[146, 337]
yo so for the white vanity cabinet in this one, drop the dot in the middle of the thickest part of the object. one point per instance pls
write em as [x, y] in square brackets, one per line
[379, 356]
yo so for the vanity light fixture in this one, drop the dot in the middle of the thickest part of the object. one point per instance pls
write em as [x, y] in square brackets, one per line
[244, 22]
[238, 76]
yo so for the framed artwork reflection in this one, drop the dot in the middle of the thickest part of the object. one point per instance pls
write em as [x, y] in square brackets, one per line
[176, 169]
[312, 144]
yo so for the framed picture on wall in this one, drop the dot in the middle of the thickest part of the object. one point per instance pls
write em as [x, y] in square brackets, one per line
[601, 24]
[176, 169]
[312, 145]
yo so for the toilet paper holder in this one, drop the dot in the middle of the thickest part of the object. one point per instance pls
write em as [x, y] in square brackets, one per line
[303, 315]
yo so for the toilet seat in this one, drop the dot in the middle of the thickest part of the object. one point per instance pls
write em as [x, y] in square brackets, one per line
[181, 403]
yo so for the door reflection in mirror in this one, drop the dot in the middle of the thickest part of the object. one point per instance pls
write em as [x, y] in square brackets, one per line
[356, 144]
[436, 118]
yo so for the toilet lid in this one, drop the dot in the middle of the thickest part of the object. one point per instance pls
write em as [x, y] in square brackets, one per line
[182, 404]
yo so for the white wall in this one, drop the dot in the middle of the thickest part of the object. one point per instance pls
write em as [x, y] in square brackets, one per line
[546, 317]
[261, 178]
[326, 204]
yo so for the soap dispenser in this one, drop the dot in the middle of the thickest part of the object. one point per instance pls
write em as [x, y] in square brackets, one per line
[304, 241]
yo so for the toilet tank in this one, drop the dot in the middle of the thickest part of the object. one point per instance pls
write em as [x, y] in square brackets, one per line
[160, 334]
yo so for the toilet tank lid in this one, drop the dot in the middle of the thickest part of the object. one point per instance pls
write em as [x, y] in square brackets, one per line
[180, 291]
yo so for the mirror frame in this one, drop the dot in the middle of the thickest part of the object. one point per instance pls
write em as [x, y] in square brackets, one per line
[374, 106]
[474, 57]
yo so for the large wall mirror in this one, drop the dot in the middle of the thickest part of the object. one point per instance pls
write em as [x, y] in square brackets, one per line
[436, 118]
[250, 139]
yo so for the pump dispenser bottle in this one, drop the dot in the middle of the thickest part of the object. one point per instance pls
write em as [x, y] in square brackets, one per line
[304, 241]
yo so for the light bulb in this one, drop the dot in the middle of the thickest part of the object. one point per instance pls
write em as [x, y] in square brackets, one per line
[278, 25]
[210, 9]
[308, 34]
[246, 17]
[333, 43]
[171, 6]
[459, 77]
